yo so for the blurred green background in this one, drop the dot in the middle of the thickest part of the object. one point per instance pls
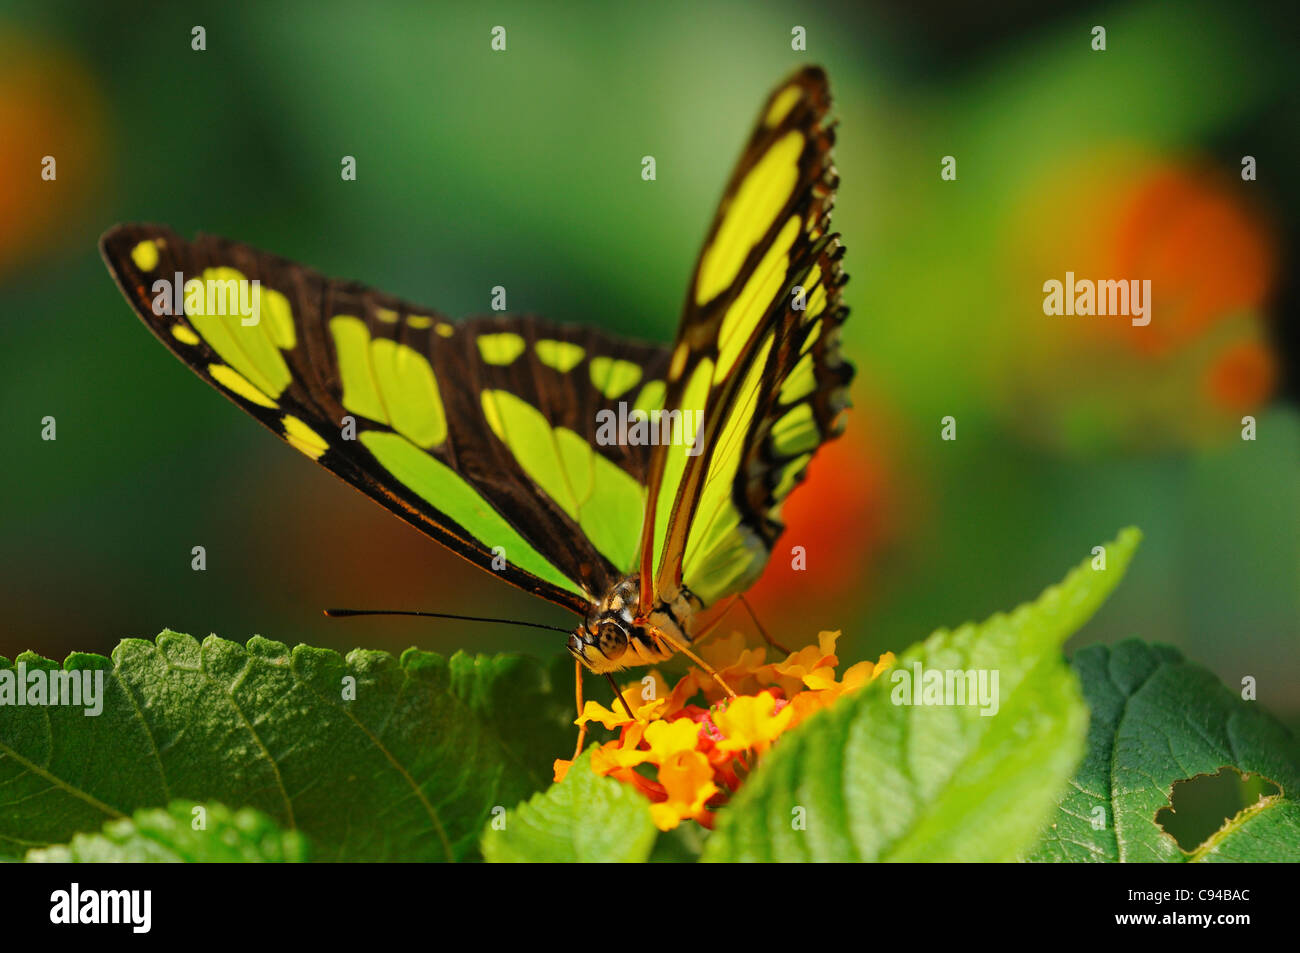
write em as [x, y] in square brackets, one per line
[522, 169]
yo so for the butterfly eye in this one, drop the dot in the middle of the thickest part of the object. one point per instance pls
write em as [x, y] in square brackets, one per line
[612, 641]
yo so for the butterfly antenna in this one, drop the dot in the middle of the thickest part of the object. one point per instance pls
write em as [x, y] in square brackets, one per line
[348, 613]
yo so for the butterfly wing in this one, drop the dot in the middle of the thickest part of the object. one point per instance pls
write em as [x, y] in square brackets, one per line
[757, 354]
[481, 434]
[485, 434]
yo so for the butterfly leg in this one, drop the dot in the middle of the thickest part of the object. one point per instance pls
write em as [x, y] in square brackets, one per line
[709, 629]
[680, 647]
[582, 728]
[712, 625]
[762, 631]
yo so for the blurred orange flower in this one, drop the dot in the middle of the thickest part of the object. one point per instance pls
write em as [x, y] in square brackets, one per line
[1203, 360]
[860, 471]
[1208, 257]
[1243, 376]
[688, 759]
[49, 109]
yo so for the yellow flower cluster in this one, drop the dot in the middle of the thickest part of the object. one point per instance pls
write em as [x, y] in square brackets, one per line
[688, 758]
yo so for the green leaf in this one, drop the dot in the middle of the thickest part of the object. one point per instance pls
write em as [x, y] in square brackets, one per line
[408, 770]
[583, 819]
[871, 779]
[1157, 719]
[681, 845]
[156, 835]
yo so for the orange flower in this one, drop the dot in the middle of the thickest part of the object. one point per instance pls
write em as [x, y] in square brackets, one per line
[700, 755]
[860, 471]
[1200, 358]
[812, 666]
[50, 107]
[687, 778]
[1243, 376]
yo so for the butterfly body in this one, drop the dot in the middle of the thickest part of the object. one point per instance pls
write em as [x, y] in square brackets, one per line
[615, 635]
[486, 434]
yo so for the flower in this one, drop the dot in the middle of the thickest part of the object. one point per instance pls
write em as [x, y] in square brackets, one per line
[50, 109]
[752, 722]
[687, 758]
[1208, 258]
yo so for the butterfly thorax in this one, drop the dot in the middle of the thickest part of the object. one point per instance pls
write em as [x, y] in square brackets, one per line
[614, 636]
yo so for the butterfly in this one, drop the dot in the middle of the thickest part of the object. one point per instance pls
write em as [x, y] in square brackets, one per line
[636, 485]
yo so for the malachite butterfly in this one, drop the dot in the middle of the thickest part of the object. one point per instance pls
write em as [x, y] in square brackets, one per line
[486, 434]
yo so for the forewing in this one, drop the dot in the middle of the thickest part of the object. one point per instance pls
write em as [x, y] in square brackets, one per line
[483, 434]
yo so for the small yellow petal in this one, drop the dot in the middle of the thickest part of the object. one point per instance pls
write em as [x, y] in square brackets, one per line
[751, 721]
[687, 778]
[667, 738]
[595, 711]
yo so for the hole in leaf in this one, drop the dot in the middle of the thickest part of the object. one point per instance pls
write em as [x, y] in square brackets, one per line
[1201, 805]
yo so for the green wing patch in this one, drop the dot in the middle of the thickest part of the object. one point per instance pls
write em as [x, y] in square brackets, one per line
[378, 391]
[766, 286]
[490, 435]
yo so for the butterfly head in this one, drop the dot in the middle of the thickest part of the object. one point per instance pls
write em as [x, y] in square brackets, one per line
[601, 645]
[613, 636]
